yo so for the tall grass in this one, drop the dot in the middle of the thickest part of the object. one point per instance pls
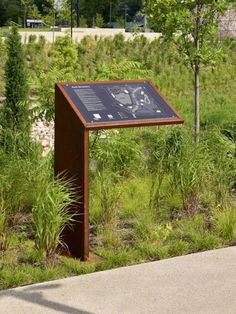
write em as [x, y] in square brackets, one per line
[180, 167]
[29, 190]
[226, 224]
[221, 150]
[50, 215]
[3, 228]
[190, 172]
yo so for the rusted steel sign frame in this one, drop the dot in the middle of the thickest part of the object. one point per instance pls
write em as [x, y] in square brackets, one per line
[72, 157]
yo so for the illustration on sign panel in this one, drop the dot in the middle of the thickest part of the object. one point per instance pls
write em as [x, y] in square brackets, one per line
[118, 101]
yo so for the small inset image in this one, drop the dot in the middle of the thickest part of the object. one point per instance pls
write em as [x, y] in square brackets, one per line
[122, 115]
[96, 116]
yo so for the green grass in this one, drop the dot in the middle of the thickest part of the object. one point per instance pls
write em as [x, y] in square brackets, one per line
[147, 241]
[21, 264]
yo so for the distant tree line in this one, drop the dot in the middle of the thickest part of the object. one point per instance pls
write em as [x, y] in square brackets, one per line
[51, 11]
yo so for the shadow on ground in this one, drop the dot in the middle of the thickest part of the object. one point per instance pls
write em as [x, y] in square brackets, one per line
[34, 295]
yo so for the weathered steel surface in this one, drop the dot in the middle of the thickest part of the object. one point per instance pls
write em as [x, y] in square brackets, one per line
[71, 161]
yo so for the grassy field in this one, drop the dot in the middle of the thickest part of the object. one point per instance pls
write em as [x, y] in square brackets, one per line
[153, 193]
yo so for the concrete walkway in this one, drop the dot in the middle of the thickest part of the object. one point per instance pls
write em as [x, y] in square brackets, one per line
[197, 283]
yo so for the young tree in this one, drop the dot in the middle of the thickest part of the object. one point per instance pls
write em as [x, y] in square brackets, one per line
[99, 21]
[193, 26]
[16, 82]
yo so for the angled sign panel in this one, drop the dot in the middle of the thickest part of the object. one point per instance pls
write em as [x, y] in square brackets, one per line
[119, 104]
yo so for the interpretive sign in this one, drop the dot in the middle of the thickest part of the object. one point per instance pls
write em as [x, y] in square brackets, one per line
[120, 101]
[84, 106]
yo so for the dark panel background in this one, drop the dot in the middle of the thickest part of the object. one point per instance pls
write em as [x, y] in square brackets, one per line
[96, 103]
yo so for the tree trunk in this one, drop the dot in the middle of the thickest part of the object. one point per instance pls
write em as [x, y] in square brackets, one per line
[196, 104]
[196, 77]
[25, 13]
[77, 13]
[71, 20]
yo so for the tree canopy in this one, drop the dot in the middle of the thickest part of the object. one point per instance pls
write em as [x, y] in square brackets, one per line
[189, 21]
[193, 26]
[18, 10]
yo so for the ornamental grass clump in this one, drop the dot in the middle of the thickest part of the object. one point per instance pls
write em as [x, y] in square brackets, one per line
[51, 215]
[190, 170]
[223, 166]
[182, 165]
[226, 224]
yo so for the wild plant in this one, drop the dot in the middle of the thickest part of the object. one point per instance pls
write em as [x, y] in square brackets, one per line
[99, 21]
[223, 165]
[45, 104]
[134, 200]
[50, 215]
[118, 41]
[41, 42]
[157, 164]
[64, 53]
[106, 190]
[3, 225]
[116, 157]
[195, 232]
[118, 152]
[83, 22]
[190, 169]
[2, 64]
[225, 224]
[121, 70]
[20, 177]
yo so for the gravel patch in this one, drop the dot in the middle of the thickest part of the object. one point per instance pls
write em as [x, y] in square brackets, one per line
[43, 133]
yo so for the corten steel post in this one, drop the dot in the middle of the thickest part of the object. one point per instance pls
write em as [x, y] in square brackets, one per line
[71, 160]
